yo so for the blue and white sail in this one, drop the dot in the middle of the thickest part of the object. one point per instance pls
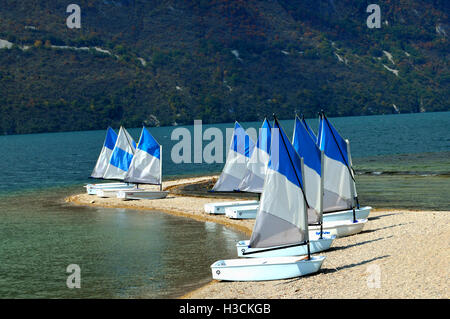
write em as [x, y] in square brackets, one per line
[339, 185]
[121, 156]
[253, 180]
[145, 166]
[105, 154]
[307, 149]
[282, 214]
[241, 149]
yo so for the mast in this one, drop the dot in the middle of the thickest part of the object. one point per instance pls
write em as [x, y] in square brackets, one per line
[305, 209]
[352, 184]
[160, 167]
[322, 165]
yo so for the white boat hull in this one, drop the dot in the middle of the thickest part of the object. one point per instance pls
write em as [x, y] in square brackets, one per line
[111, 192]
[92, 189]
[270, 268]
[218, 208]
[316, 245]
[141, 194]
[245, 212]
[361, 213]
[340, 228]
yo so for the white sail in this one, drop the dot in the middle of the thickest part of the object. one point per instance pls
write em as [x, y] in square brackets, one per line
[145, 166]
[121, 156]
[339, 188]
[282, 215]
[240, 151]
[253, 180]
[105, 154]
[307, 149]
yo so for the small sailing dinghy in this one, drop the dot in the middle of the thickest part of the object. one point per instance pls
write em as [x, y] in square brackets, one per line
[340, 199]
[242, 212]
[253, 179]
[145, 168]
[119, 163]
[239, 153]
[306, 147]
[281, 222]
[102, 163]
[219, 208]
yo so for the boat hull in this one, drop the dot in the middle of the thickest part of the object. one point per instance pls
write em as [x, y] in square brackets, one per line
[245, 212]
[219, 207]
[260, 269]
[360, 213]
[141, 194]
[92, 189]
[338, 228]
[316, 245]
[110, 192]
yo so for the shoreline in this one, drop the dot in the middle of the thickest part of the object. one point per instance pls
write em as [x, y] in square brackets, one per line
[347, 260]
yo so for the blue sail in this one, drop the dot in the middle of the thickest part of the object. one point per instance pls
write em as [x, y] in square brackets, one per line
[253, 179]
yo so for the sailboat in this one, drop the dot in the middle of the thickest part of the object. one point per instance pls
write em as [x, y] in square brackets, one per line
[281, 222]
[102, 163]
[307, 149]
[239, 153]
[119, 163]
[253, 179]
[315, 169]
[145, 168]
[340, 199]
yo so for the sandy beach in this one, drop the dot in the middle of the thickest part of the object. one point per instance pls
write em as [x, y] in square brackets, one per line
[399, 254]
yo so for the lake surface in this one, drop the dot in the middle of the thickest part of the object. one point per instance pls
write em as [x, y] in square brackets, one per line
[402, 161]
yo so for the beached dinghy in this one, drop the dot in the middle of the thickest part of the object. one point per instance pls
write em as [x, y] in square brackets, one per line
[239, 153]
[145, 168]
[118, 165]
[102, 163]
[316, 245]
[92, 189]
[252, 179]
[338, 228]
[281, 222]
[141, 194]
[307, 149]
[112, 192]
[246, 212]
[340, 199]
[219, 207]
[315, 169]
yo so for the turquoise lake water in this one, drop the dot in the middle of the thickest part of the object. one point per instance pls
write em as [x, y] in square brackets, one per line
[402, 161]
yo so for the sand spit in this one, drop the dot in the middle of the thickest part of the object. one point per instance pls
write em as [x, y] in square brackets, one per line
[399, 254]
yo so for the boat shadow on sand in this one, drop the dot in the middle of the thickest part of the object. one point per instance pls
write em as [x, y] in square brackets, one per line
[368, 231]
[335, 269]
[385, 215]
[333, 248]
[326, 271]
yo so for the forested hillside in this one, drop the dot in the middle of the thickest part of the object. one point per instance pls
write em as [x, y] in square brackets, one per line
[169, 62]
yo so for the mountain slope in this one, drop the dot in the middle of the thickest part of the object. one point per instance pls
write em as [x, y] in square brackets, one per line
[169, 62]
